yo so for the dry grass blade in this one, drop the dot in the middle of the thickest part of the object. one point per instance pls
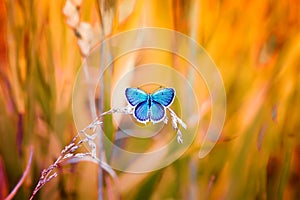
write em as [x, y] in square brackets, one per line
[26, 172]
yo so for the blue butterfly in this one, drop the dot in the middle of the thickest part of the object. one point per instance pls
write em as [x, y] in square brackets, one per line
[150, 107]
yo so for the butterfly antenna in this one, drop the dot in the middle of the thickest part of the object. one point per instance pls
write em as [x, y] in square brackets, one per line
[160, 87]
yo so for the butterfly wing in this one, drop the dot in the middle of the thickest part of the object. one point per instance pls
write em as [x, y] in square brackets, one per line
[141, 112]
[164, 96]
[157, 112]
[135, 96]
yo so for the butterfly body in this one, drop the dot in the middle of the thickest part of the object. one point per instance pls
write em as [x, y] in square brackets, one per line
[150, 107]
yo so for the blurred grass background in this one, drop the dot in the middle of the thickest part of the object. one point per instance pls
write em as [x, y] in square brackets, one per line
[256, 46]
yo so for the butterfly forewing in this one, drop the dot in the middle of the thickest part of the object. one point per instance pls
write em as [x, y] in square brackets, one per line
[135, 96]
[164, 96]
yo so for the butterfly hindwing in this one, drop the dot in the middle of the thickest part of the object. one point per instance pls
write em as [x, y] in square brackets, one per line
[135, 96]
[164, 96]
[157, 112]
[141, 112]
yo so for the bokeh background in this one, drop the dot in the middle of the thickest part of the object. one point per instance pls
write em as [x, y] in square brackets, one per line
[255, 44]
